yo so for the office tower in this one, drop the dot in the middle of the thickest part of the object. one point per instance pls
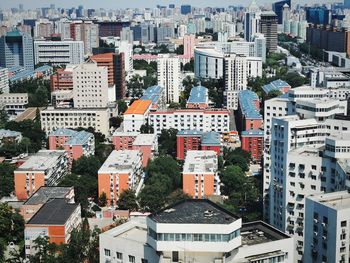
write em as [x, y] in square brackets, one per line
[87, 32]
[278, 7]
[251, 21]
[169, 76]
[16, 49]
[317, 15]
[90, 86]
[70, 52]
[80, 11]
[43, 28]
[285, 15]
[268, 27]
[189, 43]
[90, 12]
[260, 47]
[186, 9]
[4, 81]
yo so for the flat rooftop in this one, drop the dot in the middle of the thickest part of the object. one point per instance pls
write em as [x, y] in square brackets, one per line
[336, 200]
[259, 232]
[145, 139]
[42, 160]
[200, 162]
[53, 212]
[120, 161]
[44, 193]
[194, 211]
[138, 107]
[198, 94]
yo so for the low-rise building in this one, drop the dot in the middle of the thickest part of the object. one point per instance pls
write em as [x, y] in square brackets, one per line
[148, 145]
[248, 115]
[200, 174]
[279, 85]
[45, 168]
[13, 103]
[199, 98]
[9, 136]
[157, 95]
[123, 140]
[41, 196]
[195, 230]
[121, 171]
[55, 219]
[136, 115]
[253, 141]
[76, 143]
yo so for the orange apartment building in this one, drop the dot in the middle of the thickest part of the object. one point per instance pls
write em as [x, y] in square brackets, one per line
[121, 171]
[41, 196]
[123, 140]
[55, 219]
[45, 168]
[62, 79]
[200, 174]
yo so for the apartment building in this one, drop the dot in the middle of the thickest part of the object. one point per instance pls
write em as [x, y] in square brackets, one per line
[253, 141]
[237, 70]
[327, 224]
[56, 219]
[136, 115]
[77, 144]
[276, 85]
[86, 31]
[208, 233]
[13, 103]
[90, 86]
[58, 53]
[200, 174]
[147, 144]
[187, 140]
[123, 140]
[45, 168]
[122, 170]
[71, 118]
[198, 99]
[62, 79]
[169, 76]
[216, 120]
[41, 196]
[43, 28]
[4, 80]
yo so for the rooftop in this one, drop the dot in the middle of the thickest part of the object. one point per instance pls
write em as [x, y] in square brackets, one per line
[80, 138]
[335, 200]
[145, 139]
[275, 85]
[198, 94]
[8, 133]
[138, 107]
[248, 108]
[63, 132]
[252, 133]
[120, 161]
[258, 232]
[152, 93]
[189, 133]
[194, 211]
[54, 212]
[42, 160]
[44, 193]
[200, 162]
[211, 138]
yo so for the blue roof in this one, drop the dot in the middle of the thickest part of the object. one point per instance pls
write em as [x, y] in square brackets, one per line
[22, 74]
[80, 138]
[211, 138]
[275, 85]
[246, 101]
[16, 68]
[198, 95]
[259, 133]
[152, 93]
[189, 132]
[63, 132]
[9, 133]
[43, 68]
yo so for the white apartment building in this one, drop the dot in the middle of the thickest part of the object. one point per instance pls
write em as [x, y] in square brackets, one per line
[4, 80]
[71, 118]
[237, 71]
[169, 76]
[208, 62]
[190, 119]
[194, 230]
[58, 52]
[327, 221]
[13, 103]
[126, 48]
[136, 115]
[90, 86]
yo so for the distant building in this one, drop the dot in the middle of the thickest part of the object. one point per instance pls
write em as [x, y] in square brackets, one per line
[200, 174]
[41, 196]
[45, 168]
[268, 27]
[186, 9]
[277, 7]
[318, 15]
[86, 31]
[14, 103]
[189, 43]
[63, 78]
[111, 28]
[16, 49]
[4, 81]
[121, 171]
[56, 219]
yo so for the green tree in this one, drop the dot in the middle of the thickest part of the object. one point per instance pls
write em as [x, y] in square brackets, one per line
[179, 50]
[273, 94]
[128, 200]
[189, 66]
[115, 122]
[146, 128]
[6, 179]
[233, 179]
[122, 106]
[3, 118]
[11, 224]
[167, 142]
[237, 160]
[102, 200]
[86, 165]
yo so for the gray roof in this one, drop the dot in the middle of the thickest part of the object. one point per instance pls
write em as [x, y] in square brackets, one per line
[53, 212]
[194, 211]
[44, 193]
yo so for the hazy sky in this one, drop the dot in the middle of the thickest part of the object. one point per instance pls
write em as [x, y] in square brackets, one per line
[28, 4]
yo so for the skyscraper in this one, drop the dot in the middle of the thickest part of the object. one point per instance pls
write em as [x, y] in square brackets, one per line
[186, 9]
[317, 15]
[251, 21]
[268, 27]
[16, 49]
[277, 7]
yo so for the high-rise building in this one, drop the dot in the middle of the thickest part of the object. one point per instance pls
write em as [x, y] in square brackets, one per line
[278, 7]
[251, 21]
[43, 28]
[87, 32]
[260, 46]
[318, 15]
[268, 27]
[90, 86]
[111, 28]
[169, 76]
[189, 43]
[127, 49]
[285, 15]
[186, 9]
[4, 80]
[16, 49]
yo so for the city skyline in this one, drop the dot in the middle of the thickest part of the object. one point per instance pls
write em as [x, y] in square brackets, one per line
[109, 4]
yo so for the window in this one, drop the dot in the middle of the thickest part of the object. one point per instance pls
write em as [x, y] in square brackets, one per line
[144, 260]
[343, 223]
[131, 259]
[119, 255]
[107, 252]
